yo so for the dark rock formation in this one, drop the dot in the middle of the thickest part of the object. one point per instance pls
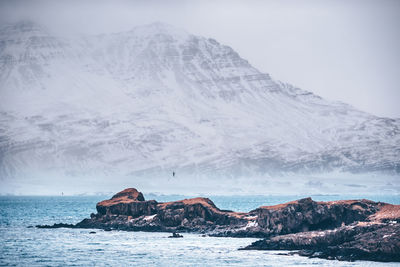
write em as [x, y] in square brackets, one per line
[347, 229]
[57, 225]
[359, 241]
[128, 202]
[175, 235]
[128, 210]
[306, 215]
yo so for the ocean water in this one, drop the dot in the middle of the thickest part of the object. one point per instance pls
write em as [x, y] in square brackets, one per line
[23, 246]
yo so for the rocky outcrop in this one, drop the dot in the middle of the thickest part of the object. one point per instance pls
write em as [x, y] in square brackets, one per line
[346, 230]
[128, 210]
[196, 211]
[306, 215]
[359, 241]
[129, 202]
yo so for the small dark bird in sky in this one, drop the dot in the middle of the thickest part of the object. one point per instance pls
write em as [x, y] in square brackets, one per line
[173, 174]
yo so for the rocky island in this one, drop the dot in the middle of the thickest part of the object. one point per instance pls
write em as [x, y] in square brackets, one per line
[344, 230]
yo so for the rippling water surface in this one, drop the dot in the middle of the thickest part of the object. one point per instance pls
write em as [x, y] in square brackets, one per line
[23, 246]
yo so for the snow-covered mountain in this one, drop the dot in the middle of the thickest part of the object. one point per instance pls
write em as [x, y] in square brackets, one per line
[155, 99]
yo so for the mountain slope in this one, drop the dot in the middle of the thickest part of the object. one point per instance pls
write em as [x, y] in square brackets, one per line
[155, 99]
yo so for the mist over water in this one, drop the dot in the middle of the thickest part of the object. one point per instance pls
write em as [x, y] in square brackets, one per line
[200, 185]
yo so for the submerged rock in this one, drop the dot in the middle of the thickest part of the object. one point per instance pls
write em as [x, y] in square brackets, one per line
[57, 225]
[175, 235]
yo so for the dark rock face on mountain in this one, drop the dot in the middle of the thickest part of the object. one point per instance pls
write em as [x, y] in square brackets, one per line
[345, 230]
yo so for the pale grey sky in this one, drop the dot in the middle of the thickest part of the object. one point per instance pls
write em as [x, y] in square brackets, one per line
[346, 50]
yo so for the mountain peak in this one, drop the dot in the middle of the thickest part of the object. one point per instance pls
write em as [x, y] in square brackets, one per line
[24, 26]
[158, 28]
[24, 29]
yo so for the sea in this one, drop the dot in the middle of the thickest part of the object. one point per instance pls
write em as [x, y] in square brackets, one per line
[24, 245]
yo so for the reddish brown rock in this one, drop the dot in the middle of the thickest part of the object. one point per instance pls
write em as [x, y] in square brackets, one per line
[387, 213]
[128, 202]
[129, 193]
[195, 211]
[126, 196]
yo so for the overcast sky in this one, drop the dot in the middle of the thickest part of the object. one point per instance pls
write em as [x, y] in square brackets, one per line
[342, 50]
